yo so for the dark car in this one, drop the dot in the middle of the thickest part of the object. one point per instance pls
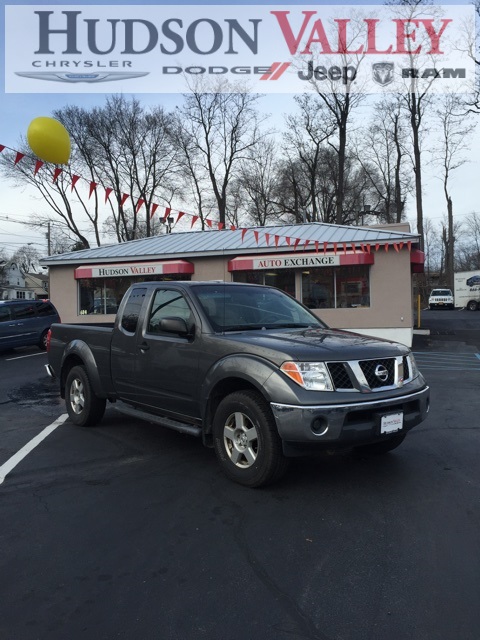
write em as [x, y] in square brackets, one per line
[474, 280]
[26, 322]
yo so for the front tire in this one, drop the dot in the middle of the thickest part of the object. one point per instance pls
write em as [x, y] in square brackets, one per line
[378, 448]
[246, 441]
[84, 408]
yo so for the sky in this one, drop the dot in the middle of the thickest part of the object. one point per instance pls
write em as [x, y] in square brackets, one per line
[18, 110]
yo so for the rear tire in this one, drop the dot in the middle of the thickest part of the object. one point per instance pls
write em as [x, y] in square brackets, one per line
[472, 305]
[84, 408]
[378, 448]
[246, 440]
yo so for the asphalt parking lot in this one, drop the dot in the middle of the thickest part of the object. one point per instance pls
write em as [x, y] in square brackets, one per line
[128, 530]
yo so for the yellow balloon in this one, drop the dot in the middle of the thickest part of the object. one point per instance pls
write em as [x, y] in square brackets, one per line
[49, 140]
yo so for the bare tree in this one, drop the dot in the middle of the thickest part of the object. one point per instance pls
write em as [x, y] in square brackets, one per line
[449, 156]
[306, 136]
[467, 251]
[257, 184]
[340, 97]
[123, 147]
[222, 125]
[130, 150]
[381, 151]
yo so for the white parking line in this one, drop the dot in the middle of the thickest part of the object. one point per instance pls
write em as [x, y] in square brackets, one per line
[30, 355]
[30, 446]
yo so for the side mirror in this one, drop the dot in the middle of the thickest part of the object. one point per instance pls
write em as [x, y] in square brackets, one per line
[174, 324]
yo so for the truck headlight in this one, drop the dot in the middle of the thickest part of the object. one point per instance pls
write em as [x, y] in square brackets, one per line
[309, 375]
[414, 371]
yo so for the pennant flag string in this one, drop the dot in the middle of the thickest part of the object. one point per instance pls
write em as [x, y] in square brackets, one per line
[363, 247]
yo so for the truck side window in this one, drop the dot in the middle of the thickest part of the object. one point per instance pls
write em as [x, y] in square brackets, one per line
[168, 303]
[131, 311]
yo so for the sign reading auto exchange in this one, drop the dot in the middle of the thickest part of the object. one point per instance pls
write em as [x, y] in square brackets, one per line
[163, 49]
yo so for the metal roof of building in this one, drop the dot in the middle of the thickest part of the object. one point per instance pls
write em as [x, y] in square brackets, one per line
[239, 242]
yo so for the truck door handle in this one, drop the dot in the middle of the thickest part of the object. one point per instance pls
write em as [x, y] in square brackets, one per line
[144, 346]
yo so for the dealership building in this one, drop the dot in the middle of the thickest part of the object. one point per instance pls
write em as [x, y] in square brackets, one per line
[356, 278]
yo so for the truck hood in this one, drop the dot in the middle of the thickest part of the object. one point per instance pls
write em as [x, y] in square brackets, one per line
[315, 344]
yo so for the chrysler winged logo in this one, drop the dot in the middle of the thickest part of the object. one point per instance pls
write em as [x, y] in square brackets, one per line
[381, 372]
[382, 73]
[68, 76]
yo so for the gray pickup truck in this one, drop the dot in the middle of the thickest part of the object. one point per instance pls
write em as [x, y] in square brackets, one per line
[247, 368]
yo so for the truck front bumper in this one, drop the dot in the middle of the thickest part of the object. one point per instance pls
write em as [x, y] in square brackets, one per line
[306, 428]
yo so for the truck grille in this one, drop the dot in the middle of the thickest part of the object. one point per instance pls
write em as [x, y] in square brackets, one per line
[369, 367]
[370, 375]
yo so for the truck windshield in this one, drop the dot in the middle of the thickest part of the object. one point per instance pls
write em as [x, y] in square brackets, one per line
[234, 308]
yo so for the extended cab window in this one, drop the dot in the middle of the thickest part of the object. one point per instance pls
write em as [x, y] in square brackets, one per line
[168, 303]
[131, 311]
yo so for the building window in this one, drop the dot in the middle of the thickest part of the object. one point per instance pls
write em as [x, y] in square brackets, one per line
[336, 287]
[21, 294]
[102, 296]
[283, 279]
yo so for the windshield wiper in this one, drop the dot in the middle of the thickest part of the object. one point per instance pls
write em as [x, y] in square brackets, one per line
[290, 325]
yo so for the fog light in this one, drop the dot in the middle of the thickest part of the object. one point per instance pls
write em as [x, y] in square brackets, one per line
[320, 426]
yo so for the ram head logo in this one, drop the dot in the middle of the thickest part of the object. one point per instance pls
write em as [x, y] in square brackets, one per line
[383, 73]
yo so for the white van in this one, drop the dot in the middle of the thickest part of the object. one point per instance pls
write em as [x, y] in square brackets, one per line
[441, 298]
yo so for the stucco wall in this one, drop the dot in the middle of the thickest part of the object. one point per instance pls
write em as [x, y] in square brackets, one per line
[390, 314]
[390, 296]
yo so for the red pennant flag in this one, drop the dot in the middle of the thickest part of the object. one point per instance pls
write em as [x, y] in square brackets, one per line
[2, 147]
[395, 246]
[75, 179]
[56, 173]
[288, 241]
[233, 227]
[108, 191]
[400, 245]
[295, 245]
[93, 186]
[267, 238]
[368, 248]
[18, 157]
[209, 222]
[244, 231]
[335, 245]
[307, 242]
[180, 215]
[377, 246]
[125, 197]
[386, 247]
[194, 219]
[325, 245]
[38, 166]
[154, 208]
[277, 240]
[409, 245]
[140, 203]
[317, 244]
[354, 248]
[167, 213]
[344, 247]
[220, 226]
[255, 233]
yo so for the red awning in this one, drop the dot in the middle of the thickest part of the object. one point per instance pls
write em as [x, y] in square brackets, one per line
[299, 261]
[130, 269]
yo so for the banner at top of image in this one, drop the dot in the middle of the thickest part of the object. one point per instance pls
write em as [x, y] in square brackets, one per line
[236, 48]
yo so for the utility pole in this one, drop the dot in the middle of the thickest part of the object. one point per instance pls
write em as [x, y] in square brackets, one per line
[48, 239]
